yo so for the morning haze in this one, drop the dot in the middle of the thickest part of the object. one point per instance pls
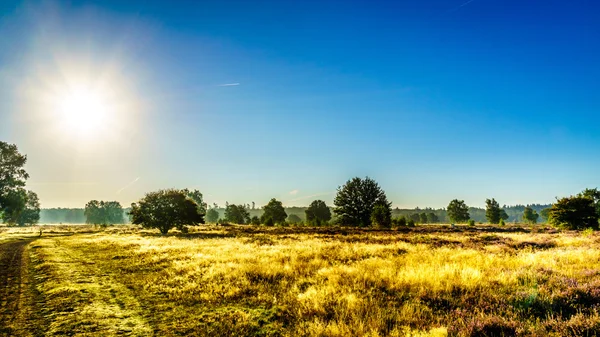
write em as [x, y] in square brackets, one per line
[285, 168]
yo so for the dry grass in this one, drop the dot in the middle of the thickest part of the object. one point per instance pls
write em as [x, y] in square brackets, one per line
[253, 281]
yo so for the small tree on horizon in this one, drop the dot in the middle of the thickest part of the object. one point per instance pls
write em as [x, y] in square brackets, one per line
[166, 209]
[381, 216]
[237, 214]
[294, 219]
[273, 210]
[458, 211]
[493, 212]
[530, 216]
[317, 213]
[212, 216]
[356, 200]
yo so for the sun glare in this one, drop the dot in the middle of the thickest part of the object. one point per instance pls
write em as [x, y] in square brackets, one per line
[83, 111]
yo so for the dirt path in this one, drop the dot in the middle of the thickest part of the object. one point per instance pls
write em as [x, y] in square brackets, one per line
[17, 298]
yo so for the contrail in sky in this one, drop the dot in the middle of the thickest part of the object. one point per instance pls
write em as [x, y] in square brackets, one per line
[128, 185]
[228, 85]
[459, 7]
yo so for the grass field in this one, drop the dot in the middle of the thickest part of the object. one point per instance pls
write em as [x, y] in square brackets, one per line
[257, 281]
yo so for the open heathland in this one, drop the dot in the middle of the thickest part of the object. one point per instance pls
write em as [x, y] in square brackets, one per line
[297, 281]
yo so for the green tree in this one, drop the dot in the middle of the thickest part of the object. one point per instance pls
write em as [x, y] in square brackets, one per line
[237, 214]
[356, 200]
[381, 216]
[212, 216]
[94, 213]
[273, 210]
[166, 209]
[113, 212]
[198, 199]
[12, 180]
[493, 212]
[432, 218]
[255, 221]
[594, 195]
[530, 216]
[503, 215]
[545, 213]
[575, 212]
[423, 218]
[415, 217]
[317, 213]
[294, 219]
[15, 201]
[458, 211]
[31, 213]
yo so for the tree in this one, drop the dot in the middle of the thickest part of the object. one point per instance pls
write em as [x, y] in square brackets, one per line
[166, 209]
[575, 212]
[114, 212]
[493, 212]
[293, 218]
[381, 216]
[273, 210]
[12, 180]
[15, 201]
[423, 218]
[432, 218]
[503, 215]
[30, 215]
[198, 198]
[255, 221]
[458, 211]
[415, 217]
[594, 195]
[545, 213]
[317, 213]
[103, 212]
[356, 200]
[530, 216]
[237, 214]
[212, 216]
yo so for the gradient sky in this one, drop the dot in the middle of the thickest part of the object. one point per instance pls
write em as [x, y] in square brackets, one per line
[248, 100]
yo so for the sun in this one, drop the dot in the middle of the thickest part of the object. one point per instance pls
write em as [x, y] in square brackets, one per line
[83, 111]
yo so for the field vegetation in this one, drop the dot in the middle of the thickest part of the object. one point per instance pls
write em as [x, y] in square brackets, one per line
[433, 280]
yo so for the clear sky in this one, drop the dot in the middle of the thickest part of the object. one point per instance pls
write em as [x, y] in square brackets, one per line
[248, 100]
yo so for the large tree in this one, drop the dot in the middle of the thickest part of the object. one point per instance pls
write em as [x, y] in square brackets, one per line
[575, 212]
[12, 179]
[166, 209]
[30, 215]
[458, 211]
[274, 211]
[103, 212]
[198, 198]
[237, 214]
[317, 213]
[432, 218]
[212, 215]
[594, 195]
[356, 200]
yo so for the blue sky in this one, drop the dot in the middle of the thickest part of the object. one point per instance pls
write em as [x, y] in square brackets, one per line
[248, 100]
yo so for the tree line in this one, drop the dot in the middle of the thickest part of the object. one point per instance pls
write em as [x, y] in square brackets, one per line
[360, 202]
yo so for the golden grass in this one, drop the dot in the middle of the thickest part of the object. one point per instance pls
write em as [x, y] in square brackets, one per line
[286, 282]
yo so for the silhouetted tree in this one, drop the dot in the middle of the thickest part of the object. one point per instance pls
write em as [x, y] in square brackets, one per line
[432, 218]
[458, 211]
[356, 200]
[575, 212]
[103, 212]
[273, 210]
[237, 214]
[12, 179]
[15, 201]
[594, 195]
[317, 213]
[255, 220]
[212, 215]
[30, 215]
[166, 209]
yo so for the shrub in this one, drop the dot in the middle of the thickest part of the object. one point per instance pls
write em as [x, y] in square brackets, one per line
[399, 222]
[411, 223]
[471, 222]
[381, 216]
[576, 212]
[502, 223]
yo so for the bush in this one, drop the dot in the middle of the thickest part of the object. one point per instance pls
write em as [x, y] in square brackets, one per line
[381, 216]
[255, 220]
[399, 222]
[502, 223]
[471, 222]
[411, 223]
[574, 213]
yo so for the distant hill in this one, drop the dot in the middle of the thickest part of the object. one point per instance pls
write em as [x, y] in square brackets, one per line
[515, 213]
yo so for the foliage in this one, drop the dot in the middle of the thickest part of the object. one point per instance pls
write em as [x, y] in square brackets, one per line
[30, 215]
[502, 223]
[237, 214]
[493, 213]
[356, 200]
[530, 216]
[212, 216]
[273, 210]
[317, 213]
[545, 213]
[255, 220]
[381, 216]
[21, 207]
[594, 195]
[12, 173]
[410, 223]
[103, 212]
[294, 219]
[198, 199]
[166, 209]
[423, 218]
[415, 217]
[575, 212]
[432, 218]
[471, 222]
[458, 211]
[399, 221]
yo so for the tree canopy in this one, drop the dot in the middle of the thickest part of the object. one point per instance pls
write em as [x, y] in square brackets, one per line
[458, 211]
[274, 211]
[493, 213]
[237, 214]
[530, 216]
[212, 216]
[356, 200]
[575, 212]
[103, 212]
[13, 197]
[317, 213]
[166, 209]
